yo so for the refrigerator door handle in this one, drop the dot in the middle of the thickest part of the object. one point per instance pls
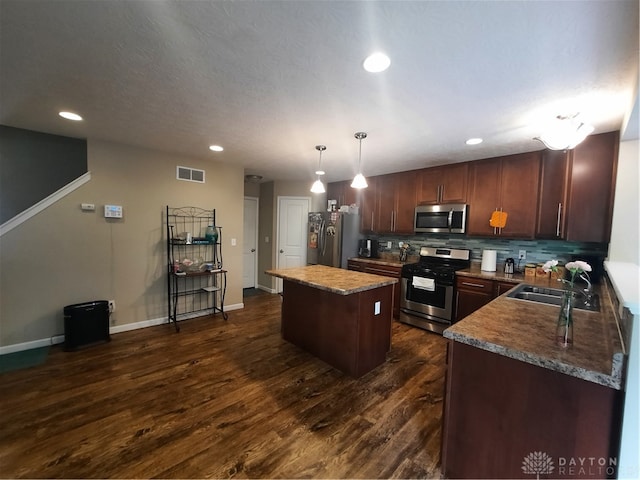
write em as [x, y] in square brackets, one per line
[322, 241]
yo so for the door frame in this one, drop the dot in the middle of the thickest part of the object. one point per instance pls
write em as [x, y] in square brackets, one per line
[276, 243]
[257, 224]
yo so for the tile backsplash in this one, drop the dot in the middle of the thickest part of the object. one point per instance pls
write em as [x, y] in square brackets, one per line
[537, 250]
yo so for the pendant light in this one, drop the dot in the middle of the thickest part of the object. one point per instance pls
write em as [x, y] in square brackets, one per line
[318, 186]
[565, 133]
[359, 181]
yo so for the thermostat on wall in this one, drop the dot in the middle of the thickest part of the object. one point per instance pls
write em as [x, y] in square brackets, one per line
[113, 211]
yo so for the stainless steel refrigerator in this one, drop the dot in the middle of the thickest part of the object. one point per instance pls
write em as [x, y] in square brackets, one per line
[332, 238]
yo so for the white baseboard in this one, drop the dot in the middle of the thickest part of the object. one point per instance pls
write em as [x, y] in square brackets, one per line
[57, 339]
[266, 289]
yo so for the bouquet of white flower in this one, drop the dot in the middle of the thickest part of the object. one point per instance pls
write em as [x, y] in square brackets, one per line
[577, 268]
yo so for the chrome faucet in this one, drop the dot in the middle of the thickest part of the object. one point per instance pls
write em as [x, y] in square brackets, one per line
[588, 291]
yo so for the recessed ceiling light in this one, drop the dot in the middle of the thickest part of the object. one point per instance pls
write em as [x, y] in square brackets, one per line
[473, 141]
[216, 148]
[376, 62]
[70, 116]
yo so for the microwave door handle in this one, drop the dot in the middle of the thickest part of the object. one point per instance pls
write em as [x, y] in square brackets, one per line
[450, 219]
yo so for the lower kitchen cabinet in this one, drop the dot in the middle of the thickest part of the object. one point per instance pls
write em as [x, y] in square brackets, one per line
[384, 270]
[471, 294]
[503, 418]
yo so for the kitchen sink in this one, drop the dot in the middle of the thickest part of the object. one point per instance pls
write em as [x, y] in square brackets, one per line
[553, 296]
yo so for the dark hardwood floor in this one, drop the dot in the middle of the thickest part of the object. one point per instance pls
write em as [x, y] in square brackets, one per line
[223, 400]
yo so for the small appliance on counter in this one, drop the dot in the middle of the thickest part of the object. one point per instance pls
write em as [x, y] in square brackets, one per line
[509, 265]
[368, 248]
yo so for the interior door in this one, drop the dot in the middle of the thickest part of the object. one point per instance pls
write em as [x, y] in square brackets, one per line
[293, 213]
[250, 243]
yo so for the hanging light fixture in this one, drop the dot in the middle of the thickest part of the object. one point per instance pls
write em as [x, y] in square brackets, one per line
[359, 181]
[318, 186]
[565, 133]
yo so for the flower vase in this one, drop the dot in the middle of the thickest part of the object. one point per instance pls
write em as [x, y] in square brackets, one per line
[564, 328]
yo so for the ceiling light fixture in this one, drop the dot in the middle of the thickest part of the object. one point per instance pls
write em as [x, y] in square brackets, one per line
[216, 148]
[70, 116]
[565, 133]
[359, 181]
[252, 178]
[376, 62]
[474, 141]
[318, 186]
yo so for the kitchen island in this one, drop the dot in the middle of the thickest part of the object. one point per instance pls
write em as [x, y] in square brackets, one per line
[342, 317]
[515, 400]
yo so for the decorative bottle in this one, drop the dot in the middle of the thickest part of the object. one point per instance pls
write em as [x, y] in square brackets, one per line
[211, 234]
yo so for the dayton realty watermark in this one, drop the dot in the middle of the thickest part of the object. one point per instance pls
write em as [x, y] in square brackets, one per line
[540, 463]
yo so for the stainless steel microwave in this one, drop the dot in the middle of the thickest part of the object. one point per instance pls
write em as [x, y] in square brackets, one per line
[445, 218]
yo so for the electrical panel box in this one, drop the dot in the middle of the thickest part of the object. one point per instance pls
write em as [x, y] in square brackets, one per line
[113, 211]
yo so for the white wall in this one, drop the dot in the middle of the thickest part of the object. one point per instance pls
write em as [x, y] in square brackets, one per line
[64, 256]
[625, 228]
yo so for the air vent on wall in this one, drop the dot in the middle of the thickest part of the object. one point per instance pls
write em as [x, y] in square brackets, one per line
[189, 174]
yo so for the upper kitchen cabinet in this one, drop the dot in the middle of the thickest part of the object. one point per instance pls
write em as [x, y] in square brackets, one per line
[591, 188]
[508, 184]
[367, 201]
[552, 203]
[446, 184]
[396, 202]
[576, 191]
[342, 193]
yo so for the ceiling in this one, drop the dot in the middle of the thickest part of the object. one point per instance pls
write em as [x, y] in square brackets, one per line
[269, 80]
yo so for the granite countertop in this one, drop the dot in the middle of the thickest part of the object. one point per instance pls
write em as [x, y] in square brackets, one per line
[389, 259]
[499, 275]
[331, 279]
[525, 331]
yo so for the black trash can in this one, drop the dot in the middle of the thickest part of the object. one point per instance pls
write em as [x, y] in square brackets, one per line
[86, 324]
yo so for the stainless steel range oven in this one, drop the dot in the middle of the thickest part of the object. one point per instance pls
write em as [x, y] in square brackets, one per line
[427, 288]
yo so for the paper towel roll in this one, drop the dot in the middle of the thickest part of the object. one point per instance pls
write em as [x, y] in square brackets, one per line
[488, 261]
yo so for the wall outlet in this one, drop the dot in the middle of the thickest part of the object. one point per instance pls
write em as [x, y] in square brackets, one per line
[522, 255]
[112, 306]
[376, 308]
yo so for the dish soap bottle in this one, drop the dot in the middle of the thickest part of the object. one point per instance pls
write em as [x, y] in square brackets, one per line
[211, 234]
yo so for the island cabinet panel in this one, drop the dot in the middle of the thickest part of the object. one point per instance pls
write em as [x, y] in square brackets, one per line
[342, 330]
[591, 188]
[385, 270]
[500, 411]
[508, 184]
[445, 184]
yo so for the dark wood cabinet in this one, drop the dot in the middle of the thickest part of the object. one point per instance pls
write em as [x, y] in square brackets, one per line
[396, 203]
[577, 190]
[384, 270]
[552, 203]
[342, 192]
[471, 294]
[591, 188]
[367, 200]
[445, 184]
[508, 184]
[499, 410]
[502, 287]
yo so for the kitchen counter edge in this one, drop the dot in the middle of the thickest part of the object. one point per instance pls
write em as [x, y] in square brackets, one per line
[332, 279]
